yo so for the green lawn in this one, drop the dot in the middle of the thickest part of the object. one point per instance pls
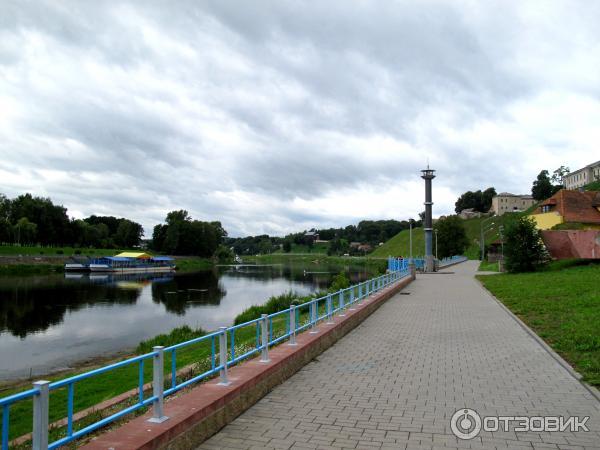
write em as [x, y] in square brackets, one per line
[562, 305]
[399, 245]
[485, 266]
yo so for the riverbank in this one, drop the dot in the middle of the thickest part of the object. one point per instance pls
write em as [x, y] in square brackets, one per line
[379, 265]
[34, 264]
[562, 305]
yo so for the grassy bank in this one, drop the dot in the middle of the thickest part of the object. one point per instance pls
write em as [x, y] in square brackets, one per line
[562, 305]
[30, 269]
[192, 264]
[485, 266]
[374, 264]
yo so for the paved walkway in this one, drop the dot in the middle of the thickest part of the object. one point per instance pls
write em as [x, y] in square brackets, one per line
[397, 379]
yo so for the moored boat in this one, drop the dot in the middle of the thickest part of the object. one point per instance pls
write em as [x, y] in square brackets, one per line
[130, 262]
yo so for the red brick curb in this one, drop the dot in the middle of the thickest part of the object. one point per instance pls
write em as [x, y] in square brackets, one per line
[200, 412]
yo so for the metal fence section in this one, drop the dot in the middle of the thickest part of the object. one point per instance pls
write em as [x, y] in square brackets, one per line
[220, 350]
[451, 260]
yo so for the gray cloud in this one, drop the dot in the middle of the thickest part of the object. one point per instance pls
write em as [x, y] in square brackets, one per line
[276, 116]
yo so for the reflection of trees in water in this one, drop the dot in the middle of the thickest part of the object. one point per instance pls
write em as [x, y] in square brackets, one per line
[189, 290]
[33, 304]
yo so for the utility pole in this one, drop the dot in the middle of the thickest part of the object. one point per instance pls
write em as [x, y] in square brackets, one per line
[428, 175]
[410, 238]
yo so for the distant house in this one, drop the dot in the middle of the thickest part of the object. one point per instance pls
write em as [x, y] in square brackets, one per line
[507, 202]
[582, 208]
[583, 176]
[366, 248]
[468, 213]
[313, 235]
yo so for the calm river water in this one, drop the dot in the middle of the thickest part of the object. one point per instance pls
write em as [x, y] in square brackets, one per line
[52, 322]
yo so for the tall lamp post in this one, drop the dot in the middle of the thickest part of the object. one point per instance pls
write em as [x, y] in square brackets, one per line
[428, 175]
[482, 238]
[410, 221]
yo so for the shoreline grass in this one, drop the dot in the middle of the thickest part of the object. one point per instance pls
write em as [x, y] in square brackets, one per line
[562, 305]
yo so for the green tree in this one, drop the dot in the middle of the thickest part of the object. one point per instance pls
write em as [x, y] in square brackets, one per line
[542, 187]
[129, 233]
[287, 246]
[478, 200]
[524, 250]
[451, 236]
[25, 231]
[183, 236]
[558, 176]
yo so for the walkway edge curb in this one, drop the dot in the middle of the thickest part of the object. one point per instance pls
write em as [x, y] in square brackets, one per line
[559, 359]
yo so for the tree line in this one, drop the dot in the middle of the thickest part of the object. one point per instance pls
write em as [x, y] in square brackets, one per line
[370, 232]
[29, 220]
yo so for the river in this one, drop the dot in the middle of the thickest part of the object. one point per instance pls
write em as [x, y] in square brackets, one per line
[53, 322]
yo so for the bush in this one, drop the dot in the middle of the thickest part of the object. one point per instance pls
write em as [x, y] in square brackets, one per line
[451, 237]
[524, 250]
[340, 281]
[176, 336]
[60, 251]
[273, 305]
[77, 252]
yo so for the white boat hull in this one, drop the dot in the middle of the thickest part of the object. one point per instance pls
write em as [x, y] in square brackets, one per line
[107, 268]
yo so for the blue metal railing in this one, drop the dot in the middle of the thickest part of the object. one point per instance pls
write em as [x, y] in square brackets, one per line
[311, 312]
[451, 260]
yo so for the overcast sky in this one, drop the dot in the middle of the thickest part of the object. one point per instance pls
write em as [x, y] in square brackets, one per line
[278, 116]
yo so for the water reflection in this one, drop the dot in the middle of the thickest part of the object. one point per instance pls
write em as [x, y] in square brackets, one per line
[49, 322]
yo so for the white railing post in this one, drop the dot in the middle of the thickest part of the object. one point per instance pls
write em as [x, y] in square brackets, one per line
[360, 291]
[264, 326]
[39, 438]
[352, 306]
[313, 317]
[223, 357]
[292, 325]
[158, 384]
[342, 303]
[329, 310]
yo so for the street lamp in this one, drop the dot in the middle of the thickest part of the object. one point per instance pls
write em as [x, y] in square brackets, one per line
[486, 230]
[410, 221]
[501, 229]
[482, 238]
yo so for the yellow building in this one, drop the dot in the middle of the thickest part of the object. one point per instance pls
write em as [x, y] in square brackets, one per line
[138, 255]
[568, 206]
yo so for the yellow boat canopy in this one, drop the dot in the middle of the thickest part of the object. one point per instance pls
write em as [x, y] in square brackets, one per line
[139, 255]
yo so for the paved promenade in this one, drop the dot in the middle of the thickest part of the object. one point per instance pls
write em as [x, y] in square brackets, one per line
[397, 379]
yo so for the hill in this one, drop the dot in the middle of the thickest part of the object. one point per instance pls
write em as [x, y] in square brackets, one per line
[399, 244]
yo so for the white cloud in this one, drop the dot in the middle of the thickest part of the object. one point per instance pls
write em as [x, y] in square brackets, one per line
[278, 116]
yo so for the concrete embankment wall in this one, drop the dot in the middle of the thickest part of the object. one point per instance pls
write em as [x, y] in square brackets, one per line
[198, 413]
